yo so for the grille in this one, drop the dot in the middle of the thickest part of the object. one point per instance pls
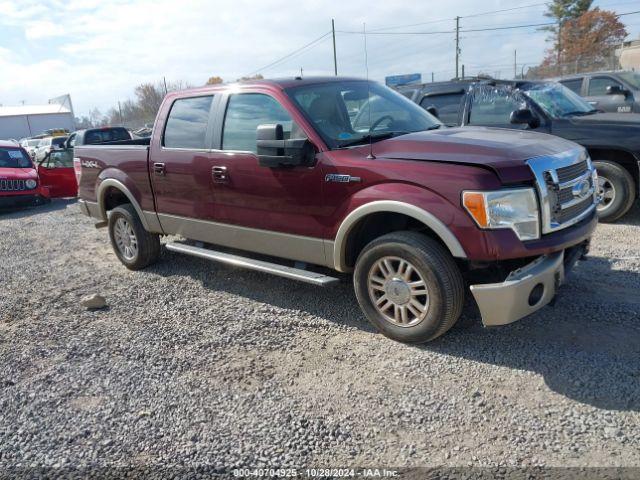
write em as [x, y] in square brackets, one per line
[565, 185]
[12, 185]
[572, 171]
[575, 210]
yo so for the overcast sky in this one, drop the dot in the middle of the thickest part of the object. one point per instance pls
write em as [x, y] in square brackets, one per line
[99, 51]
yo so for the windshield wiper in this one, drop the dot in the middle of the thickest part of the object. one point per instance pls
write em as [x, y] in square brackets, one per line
[371, 138]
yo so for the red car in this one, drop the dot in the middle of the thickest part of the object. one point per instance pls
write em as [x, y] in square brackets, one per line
[57, 174]
[19, 182]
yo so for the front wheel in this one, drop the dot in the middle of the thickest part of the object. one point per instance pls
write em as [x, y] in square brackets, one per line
[616, 189]
[134, 246]
[409, 287]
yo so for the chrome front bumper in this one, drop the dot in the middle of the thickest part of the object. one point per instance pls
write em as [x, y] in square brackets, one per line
[525, 291]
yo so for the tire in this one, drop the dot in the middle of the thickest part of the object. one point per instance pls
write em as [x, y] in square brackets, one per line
[439, 309]
[140, 253]
[618, 188]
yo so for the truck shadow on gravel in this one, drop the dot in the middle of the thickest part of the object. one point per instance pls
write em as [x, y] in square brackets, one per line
[23, 212]
[586, 347]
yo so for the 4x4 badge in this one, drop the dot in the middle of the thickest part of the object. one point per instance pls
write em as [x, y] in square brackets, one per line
[336, 177]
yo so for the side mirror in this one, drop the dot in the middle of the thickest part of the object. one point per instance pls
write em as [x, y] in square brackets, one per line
[433, 110]
[274, 151]
[616, 90]
[524, 116]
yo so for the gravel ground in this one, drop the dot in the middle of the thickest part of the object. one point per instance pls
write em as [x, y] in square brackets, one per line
[194, 363]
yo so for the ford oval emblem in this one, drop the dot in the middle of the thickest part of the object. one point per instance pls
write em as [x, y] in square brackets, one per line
[581, 190]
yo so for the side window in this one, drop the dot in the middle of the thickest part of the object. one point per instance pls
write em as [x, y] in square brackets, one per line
[187, 123]
[598, 85]
[575, 84]
[493, 107]
[447, 104]
[245, 112]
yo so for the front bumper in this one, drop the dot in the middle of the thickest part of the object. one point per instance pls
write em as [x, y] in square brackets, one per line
[29, 200]
[527, 289]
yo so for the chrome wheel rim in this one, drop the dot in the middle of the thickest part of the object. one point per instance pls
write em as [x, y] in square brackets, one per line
[606, 193]
[125, 238]
[398, 291]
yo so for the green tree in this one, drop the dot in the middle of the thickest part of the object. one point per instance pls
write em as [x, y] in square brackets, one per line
[563, 10]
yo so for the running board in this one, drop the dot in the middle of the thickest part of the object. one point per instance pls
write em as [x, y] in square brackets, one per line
[252, 264]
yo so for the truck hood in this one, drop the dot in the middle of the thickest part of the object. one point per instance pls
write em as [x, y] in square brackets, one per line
[18, 173]
[499, 149]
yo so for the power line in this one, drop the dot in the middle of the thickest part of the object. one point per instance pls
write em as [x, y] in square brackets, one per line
[281, 59]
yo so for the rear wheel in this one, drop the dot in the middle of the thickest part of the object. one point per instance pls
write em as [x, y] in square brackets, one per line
[409, 287]
[134, 246]
[616, 189]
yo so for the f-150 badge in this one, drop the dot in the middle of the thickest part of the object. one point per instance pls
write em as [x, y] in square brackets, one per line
[336, 177]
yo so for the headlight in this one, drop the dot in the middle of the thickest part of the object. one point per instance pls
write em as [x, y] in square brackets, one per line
[516, 209]
[31, 184]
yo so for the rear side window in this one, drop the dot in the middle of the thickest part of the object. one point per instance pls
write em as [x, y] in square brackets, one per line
[575, 84]
[187, 123]
[448, 106]
[58, 142]
[248, 110]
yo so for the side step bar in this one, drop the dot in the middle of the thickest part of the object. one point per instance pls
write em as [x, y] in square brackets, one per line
[259, 265]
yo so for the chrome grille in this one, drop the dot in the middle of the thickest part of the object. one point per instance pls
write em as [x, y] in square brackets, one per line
[566, 188]
[572, 171]
[9, 185]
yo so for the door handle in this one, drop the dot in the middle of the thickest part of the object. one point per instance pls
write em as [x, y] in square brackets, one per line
[220, 174]
[158, 168]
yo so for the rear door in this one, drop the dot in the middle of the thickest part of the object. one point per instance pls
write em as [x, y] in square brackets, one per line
[598, 97]
[56, 172]
[448, 104]
[179, 161]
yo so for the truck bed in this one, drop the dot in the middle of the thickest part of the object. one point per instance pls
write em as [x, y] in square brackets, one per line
[126, 161]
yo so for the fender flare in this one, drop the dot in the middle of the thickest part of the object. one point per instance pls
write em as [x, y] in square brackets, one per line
[111, 182]
[393, 206]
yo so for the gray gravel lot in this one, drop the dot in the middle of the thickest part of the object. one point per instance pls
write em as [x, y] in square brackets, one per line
[194, 363]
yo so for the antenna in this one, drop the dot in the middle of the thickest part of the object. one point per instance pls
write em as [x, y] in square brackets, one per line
[371, 156]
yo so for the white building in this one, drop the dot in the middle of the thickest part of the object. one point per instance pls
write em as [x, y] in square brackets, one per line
[28, 120]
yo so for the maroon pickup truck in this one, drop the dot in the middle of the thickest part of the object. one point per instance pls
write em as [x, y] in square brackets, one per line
[291, 175]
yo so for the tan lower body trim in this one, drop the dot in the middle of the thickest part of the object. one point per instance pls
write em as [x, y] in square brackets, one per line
[283, 245]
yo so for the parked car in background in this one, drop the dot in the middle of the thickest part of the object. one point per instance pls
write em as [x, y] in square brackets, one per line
[30, 145]
[414, 210]
[19, 183]
[47, 145]
[56, 172]
[98, 135]
[607, 91]
[611, 139]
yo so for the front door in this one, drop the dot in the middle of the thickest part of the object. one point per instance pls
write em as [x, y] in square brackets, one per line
[268, 204]
[56, 172]
[598, 97]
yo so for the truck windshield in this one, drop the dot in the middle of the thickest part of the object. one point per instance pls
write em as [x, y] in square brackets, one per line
[557, 100]
[356, 112]
[14, 158]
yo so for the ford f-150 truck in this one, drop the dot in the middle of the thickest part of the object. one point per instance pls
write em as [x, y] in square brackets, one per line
[285, 176]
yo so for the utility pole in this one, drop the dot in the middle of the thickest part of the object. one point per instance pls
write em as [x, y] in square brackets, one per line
[457, 44]
[463, 70]
[120, 111]
[515, 64]
[559, 46]
[164, 79]
[335, 58]
[431, 77]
